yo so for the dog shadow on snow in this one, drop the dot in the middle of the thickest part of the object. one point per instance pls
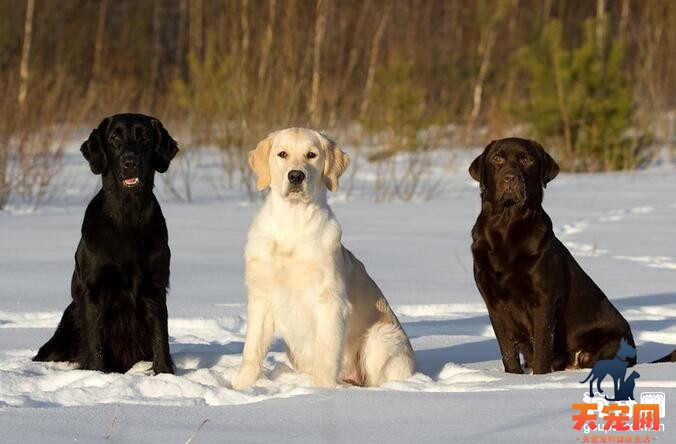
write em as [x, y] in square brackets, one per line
[431, 361]
[649, 351]
[190, 357]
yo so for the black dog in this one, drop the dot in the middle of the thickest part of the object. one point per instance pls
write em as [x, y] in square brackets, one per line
[540, 302]
[118, 315]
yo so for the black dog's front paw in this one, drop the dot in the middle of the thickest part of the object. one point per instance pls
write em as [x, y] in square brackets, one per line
[92, 364]
[163, 367]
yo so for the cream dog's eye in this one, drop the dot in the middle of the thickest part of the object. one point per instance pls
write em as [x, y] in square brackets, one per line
[311, 155]
[282, 154]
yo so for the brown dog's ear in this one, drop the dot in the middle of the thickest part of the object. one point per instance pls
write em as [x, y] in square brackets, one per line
[549, 169]
[260, 163]
[165, 148]
[92, 149]
[335, 162]
[477, 167]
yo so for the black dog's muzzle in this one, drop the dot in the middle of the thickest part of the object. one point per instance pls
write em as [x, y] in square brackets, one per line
[130, 167]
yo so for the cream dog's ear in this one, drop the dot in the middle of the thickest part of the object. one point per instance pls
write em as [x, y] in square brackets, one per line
[260, 163]
[335, 162]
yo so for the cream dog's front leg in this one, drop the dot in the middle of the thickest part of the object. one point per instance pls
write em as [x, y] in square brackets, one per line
[332, 315]
[259, 334]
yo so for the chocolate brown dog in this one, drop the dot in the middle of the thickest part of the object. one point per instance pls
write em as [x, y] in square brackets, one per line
[540, 302]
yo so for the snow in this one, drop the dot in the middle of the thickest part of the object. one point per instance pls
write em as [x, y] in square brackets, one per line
[620, 227]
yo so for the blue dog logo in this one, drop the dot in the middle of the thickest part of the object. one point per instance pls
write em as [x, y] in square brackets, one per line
[617, 369]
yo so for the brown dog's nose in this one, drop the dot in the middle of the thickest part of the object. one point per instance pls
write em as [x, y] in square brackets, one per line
[509, 178]
[296, 177]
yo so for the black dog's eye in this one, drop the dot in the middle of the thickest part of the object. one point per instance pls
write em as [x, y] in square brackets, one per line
[282, 154]
[498, 160]
[115, 140]
[311, 155]
[143, 137]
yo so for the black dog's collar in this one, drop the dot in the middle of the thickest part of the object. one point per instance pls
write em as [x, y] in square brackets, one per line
[623, 360]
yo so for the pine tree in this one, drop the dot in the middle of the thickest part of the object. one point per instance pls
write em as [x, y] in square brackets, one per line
[580, 98]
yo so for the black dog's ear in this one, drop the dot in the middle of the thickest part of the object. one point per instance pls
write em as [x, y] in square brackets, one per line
[549, 169]
[165, 149]
[92, 149]
[477, 168]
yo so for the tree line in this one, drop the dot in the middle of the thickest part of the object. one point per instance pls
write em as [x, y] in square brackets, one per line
[592, 79]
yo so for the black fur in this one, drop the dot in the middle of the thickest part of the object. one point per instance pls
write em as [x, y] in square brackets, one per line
[118, 313]
[540, 301]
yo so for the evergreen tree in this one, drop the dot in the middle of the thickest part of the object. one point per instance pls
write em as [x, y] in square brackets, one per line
[580, 98]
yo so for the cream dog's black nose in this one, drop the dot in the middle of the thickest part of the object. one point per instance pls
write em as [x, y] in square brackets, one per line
[296, 177]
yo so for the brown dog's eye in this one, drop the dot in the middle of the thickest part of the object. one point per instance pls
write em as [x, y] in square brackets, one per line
[311, 155]
[498, 160]
[282, 154]
[525, 160]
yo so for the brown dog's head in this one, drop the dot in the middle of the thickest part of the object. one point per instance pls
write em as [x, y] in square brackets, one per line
[513, 171]
[127, 149]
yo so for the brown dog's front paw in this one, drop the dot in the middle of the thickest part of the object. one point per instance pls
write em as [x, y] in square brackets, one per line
[543, 366]
[513, 368]
[512, 363]
[542, 369]
[559, 362]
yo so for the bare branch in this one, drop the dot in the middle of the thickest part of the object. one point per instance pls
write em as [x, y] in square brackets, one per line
[26, 52]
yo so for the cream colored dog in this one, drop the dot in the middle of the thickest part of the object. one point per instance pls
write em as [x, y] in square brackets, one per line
[303, 284]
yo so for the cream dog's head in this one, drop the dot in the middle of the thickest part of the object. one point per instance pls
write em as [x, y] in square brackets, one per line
[298, 164]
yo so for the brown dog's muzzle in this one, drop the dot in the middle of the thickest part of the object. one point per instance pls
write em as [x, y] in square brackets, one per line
[511, 187]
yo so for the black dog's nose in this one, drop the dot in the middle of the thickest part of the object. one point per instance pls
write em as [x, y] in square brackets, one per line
[129, 163]
[296, 177]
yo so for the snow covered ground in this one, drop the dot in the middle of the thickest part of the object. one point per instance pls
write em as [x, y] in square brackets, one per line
[619, 226]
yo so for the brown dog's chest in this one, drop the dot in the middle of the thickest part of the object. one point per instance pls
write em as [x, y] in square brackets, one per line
[514, 285]
[506, 260]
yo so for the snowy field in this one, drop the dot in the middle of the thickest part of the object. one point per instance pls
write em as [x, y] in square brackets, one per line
[621, 227]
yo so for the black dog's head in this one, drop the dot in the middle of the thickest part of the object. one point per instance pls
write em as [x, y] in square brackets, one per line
[128, 148]
[513, 171]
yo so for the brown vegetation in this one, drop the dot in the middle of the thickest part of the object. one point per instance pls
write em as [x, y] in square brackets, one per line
[232, 70]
